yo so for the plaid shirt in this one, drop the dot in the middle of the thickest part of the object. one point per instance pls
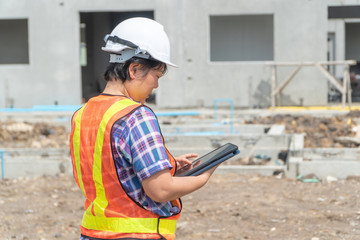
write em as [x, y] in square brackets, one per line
[139, 152]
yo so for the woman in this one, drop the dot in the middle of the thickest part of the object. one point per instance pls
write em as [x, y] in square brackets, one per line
[120, 161]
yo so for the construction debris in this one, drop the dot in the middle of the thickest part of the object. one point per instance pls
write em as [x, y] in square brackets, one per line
[35, 135]
[321, 132]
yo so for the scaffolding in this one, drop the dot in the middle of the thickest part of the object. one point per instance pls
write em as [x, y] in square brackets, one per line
[344, 87]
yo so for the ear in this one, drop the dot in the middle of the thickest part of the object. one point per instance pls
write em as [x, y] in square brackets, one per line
[133, 68]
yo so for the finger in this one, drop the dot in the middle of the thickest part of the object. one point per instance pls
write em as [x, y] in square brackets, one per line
[184, 161]
[191, 155]
[188, 155]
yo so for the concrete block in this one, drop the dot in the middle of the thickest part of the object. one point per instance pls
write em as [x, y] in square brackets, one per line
[206, 141]
[32, 167]
[262, 170]
[297, 142]
[196, 129]
[273, 141]
[296, 145]
[331, 154]
[292, 169]
[276, 130]
[322, 169]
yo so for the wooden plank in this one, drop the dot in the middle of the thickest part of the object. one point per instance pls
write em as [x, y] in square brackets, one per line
[280, 88]
[273, 85]
[310, 63]
[331, 78]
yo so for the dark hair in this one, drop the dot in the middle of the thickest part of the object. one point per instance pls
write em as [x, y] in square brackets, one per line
[121, 70]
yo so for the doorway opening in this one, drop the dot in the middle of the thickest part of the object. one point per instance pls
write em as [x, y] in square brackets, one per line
[334, 95]
[352, 52]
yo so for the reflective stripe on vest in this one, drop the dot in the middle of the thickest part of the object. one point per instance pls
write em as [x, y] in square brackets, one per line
[76, 147]
[95, 217]
[127, 225]
[100, 200]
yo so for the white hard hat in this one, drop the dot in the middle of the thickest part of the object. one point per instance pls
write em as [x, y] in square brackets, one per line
[138, 37]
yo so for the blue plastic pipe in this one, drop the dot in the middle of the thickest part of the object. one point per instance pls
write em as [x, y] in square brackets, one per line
[2, 165]
[216, 100]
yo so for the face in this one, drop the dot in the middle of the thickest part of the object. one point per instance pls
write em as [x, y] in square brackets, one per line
[144, 83]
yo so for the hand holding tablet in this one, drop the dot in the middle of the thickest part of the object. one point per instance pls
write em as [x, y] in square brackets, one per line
[209, 160]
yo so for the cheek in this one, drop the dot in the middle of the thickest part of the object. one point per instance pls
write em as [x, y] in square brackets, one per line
[154, 83]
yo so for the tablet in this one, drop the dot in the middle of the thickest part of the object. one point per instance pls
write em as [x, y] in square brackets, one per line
[209, 160]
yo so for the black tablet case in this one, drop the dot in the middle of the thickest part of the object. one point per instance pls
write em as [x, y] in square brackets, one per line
[229, 150]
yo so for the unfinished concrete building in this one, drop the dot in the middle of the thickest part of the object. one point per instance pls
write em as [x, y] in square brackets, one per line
[50, 50]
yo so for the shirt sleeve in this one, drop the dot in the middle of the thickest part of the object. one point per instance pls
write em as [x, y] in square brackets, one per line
[147, 148]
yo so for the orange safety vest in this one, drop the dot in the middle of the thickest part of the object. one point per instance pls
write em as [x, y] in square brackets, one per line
[109, 212]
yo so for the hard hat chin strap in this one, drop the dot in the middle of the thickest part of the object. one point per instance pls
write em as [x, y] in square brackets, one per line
[126, 54]
[116, 39]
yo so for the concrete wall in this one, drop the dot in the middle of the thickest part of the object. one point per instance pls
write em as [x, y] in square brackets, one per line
[300, 29]
[53, 74]
[343, 2]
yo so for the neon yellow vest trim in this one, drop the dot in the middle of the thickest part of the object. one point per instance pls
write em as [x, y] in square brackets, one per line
[101, 202]
[127, 225]
[76, 146]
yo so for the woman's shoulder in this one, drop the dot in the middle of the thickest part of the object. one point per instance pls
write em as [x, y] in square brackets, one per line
[135, 119]
[144, 110]
[141, 114]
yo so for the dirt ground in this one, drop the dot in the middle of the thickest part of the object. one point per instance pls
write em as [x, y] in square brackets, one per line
[230, 206]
